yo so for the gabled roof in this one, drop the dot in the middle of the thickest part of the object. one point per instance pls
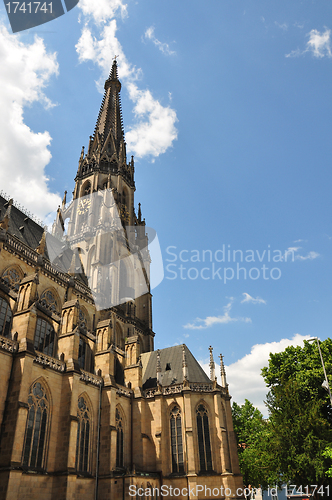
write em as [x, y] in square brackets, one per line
[20, 225]
[171, 367]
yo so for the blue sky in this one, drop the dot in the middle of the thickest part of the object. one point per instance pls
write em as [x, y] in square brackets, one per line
[227, 110]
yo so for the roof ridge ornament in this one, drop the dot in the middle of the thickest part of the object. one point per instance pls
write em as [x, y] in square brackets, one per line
[184, 363]
[222, 371]
[212, 365]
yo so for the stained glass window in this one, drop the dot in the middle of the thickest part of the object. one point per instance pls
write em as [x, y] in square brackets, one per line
[12, 277]
[176, 440]
[35, 434]
[44, 337]
[48, 300]
[5, 318]
[119, 438]
[83, 436]
[204, 444]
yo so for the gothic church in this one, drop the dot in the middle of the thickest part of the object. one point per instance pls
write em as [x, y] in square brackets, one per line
[88, 409]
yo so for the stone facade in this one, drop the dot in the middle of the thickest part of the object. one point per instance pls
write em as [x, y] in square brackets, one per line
[88, 409]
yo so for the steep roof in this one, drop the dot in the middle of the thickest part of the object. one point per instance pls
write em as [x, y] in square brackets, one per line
[20, 225]
[171, 367]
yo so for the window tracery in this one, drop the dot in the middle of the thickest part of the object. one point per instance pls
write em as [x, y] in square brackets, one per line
[83, 435]
[12, 277]
[5, 318]
[119, 438]
[36, 427]
[48, 300]
[44, 337]
[203, 434]
[176, 440]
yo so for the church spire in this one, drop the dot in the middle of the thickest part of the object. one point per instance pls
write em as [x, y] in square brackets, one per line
[109, 126]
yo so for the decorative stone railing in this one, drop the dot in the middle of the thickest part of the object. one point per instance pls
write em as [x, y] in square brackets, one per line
[201, 387]
[8, 345]
[176, 389]
[90, 378]
[49, 362]
[12, 242]
[20, 247]
[121, 391]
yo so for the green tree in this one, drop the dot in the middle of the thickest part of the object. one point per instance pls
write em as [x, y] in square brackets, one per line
[328, 454]
[300, 412]
[253, 435]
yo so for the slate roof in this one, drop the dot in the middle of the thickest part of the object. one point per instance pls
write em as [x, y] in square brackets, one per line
[30, 233]
[21, 226]
[171, 367]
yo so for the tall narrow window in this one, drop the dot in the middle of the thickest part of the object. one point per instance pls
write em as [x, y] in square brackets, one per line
[5, 318]
[44, 337]
[81, 353]
[204, 444]
[176, 440]
[83, 436]
[119, 438]
[35, 433]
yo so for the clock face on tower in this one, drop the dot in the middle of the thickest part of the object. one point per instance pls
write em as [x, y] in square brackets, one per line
[83, 206]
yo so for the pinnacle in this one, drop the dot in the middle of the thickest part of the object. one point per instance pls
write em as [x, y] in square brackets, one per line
[114, 71]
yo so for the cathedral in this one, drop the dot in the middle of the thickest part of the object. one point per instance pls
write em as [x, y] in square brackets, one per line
[88, 409]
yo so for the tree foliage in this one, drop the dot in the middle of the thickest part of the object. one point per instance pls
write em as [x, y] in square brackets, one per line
[253, 435]
[300, 412]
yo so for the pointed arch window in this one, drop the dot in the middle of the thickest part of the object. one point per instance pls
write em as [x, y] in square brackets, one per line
[44, 337]
[36, 427]
[176, 440]
[5, 318]
[85, 356]
[204, 443]
[12, 277]
[83, 436]
[48, 300]
[119, 438]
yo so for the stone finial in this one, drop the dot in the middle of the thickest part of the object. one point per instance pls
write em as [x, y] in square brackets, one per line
[64, 200]
[184, 363]
[4, 224]
[158, 368]
[139, 214]
[222, 371]
[72, 269]
[42, 245]
[212, 366]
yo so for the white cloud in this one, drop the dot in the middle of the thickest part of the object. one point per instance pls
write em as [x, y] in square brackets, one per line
[163, 47]
[209, 321]
[248, 298]
[282, 26]
[310, 256]
[25, 72]
[291, 254]
[244, 376]
[153, 130]
[103, 10]
[319, 44]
